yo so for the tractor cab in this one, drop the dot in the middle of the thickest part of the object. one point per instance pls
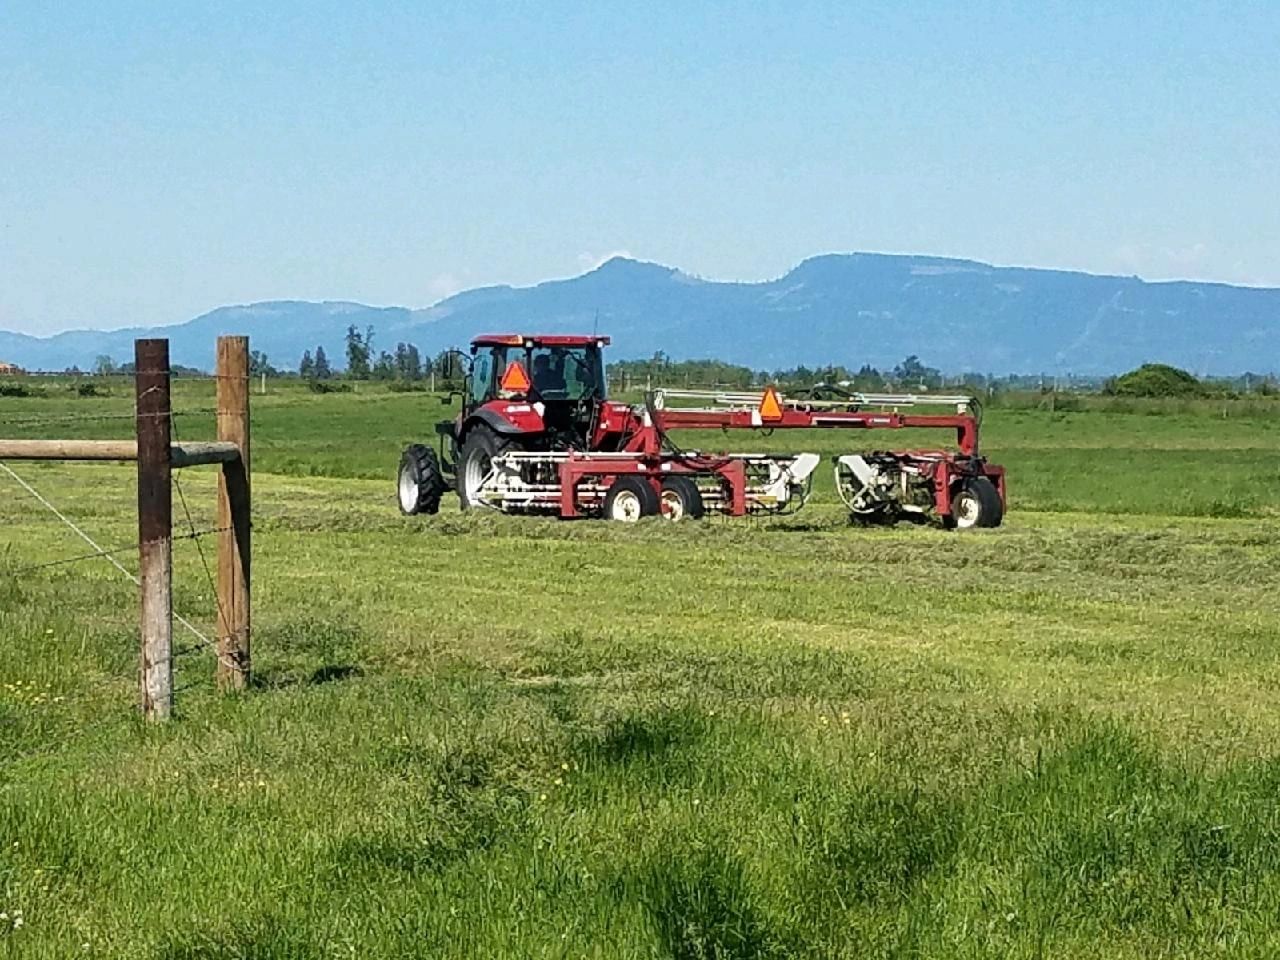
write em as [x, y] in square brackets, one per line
[523, 385]
[545, 369]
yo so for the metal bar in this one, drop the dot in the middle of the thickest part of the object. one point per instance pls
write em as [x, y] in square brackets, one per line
[155, 526]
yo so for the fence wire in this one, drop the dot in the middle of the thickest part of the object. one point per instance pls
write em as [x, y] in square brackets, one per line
[202, 642]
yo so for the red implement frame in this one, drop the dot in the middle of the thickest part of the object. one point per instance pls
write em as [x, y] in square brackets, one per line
[649, 439]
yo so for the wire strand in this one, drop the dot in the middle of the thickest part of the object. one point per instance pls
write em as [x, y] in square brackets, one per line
[106, 555]
[132, 545]
[101, 417]
[223, 621]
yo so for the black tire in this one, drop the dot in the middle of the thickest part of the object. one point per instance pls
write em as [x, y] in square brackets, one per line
[976, 503]
[681, 499]
[479, 447]
[629, 499]
[420, 482]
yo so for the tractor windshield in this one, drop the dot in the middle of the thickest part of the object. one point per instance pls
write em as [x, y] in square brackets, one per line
[567, 373]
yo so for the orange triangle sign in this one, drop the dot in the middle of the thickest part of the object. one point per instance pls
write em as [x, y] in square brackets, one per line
[771, 405]
[514, 379]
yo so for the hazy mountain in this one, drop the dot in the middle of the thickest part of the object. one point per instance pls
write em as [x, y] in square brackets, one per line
[850, 309]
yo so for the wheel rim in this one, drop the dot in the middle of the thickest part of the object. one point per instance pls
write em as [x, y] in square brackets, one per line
[626, 507]
[478, 469]
[967, 510]
[672, 505]
[408, 490]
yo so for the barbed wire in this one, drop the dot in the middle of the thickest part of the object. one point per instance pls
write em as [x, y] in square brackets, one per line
[103, 417]
[110, 558]
[223, 620]
[111, 551]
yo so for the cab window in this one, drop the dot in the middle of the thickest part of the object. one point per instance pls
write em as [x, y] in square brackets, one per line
[482, 372]
[566, 373]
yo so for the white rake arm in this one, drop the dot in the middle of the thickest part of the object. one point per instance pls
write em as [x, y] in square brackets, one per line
[727, 398]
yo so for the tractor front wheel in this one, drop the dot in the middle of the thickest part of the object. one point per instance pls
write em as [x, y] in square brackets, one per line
[420, 483]
[681, 499]
[976, 504]
[475, 463]
[629, 499]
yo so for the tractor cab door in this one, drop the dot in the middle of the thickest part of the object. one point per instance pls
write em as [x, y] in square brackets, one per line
[483, 383]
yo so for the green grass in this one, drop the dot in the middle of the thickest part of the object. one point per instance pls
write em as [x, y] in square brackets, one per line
[483, 736]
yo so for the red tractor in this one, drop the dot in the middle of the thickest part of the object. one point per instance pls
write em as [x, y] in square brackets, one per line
[537, 434]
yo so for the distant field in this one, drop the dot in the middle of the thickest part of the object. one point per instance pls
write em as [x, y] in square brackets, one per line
[476, 736]
[1174, 458]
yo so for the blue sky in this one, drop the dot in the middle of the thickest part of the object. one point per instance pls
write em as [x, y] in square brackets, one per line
[159, 160]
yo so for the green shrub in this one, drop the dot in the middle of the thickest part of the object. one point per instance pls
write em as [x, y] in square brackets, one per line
[328, 386]
[19, 390]
[1155, 380]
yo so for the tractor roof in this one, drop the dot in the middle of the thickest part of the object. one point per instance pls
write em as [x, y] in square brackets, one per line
[538, 340]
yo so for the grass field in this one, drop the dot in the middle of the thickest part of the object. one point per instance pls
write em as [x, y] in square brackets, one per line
[477, 736]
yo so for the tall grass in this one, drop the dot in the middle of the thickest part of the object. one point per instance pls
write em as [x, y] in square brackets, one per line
[476, 736]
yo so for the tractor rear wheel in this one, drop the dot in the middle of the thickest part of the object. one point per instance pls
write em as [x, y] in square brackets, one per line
[420, 484]
[475, 463]
[629, 499]
[976, 504]
[681, 499]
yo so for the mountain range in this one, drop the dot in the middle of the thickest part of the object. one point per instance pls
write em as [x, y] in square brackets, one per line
[849, 309]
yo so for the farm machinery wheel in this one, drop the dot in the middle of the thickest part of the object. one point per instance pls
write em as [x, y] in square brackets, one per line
[976, 504]
[475, 463]
[681, 500]
[629, 499]
[420, 484]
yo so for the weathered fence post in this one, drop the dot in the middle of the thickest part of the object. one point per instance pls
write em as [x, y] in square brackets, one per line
[155, 526]
[233, 515]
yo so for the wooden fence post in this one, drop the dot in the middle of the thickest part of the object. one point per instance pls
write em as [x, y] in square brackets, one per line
[155, 526]
[233, 515]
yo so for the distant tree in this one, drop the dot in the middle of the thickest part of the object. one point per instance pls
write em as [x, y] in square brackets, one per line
[259, 365]
[412, 363]
[912, 373]
[1263, 384]
[321, 370]
[384, 368]
[104, 366]
[307, 368]
[448, 366]
[1155, 380]
[868, 379]
[359, 352]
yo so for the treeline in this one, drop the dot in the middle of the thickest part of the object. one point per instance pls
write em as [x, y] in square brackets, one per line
[661, 370]
[1149, 380]
[404, 364]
